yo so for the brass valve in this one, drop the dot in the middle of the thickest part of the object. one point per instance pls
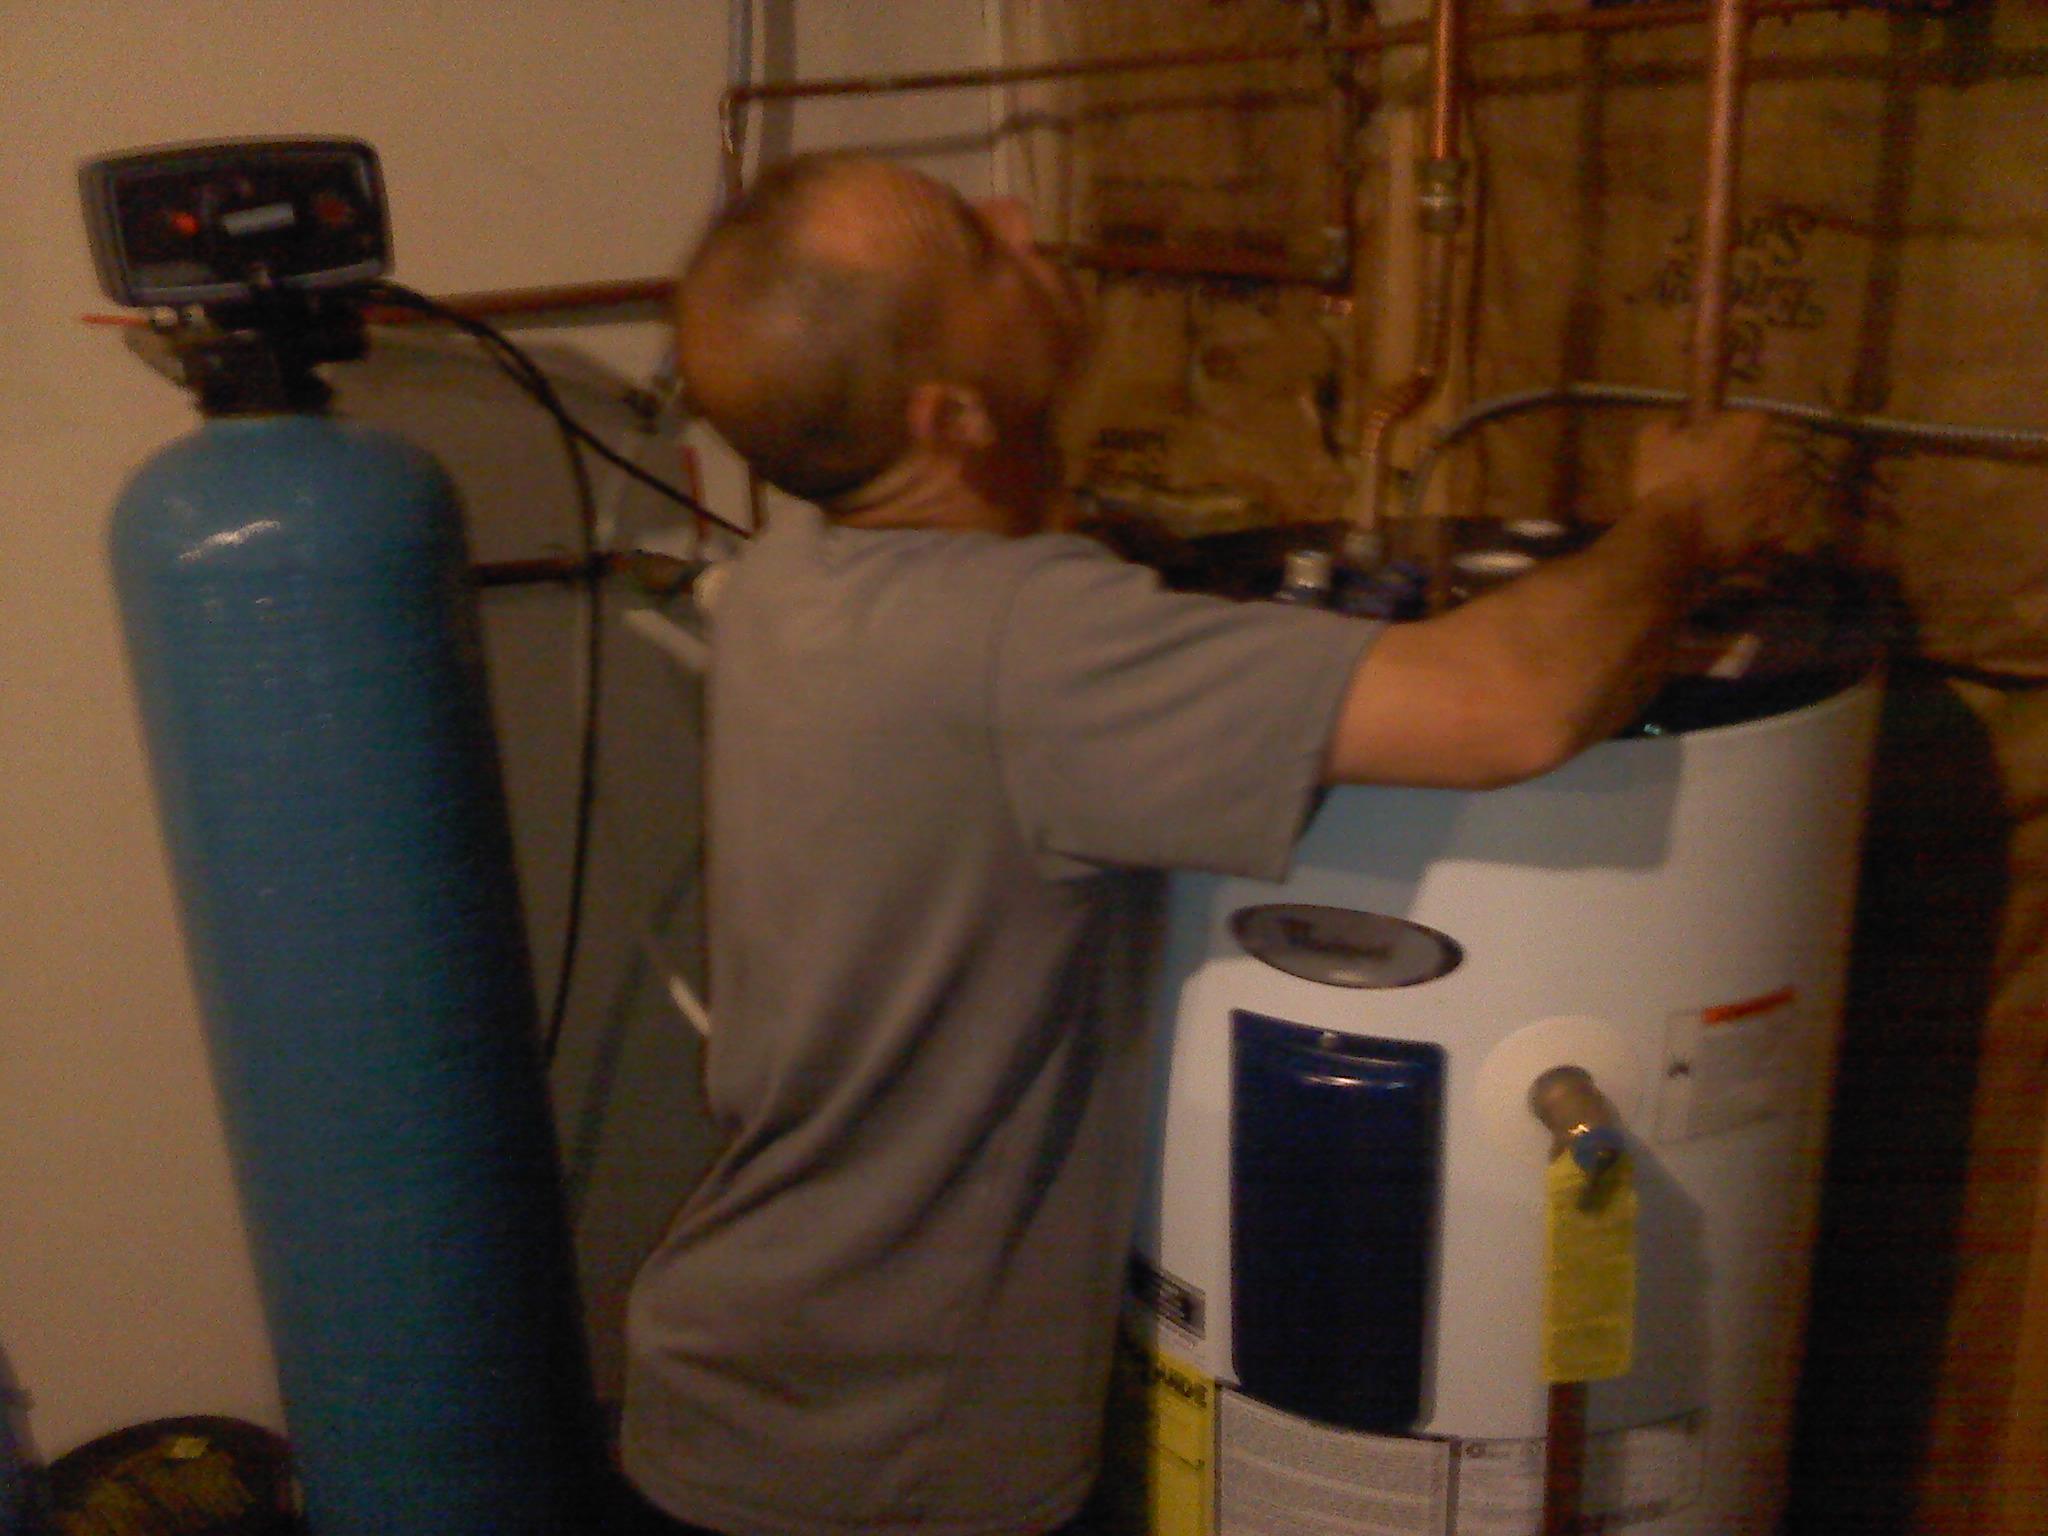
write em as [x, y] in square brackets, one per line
[1579, 1118]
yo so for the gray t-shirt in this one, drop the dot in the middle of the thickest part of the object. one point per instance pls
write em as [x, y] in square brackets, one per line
[945, 771]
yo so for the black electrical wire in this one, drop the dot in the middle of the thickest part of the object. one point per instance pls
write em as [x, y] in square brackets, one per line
[528, 374]
[574, 437]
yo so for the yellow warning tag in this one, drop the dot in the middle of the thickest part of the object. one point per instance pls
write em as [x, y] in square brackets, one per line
[1176, 1420]
[1589, 1242]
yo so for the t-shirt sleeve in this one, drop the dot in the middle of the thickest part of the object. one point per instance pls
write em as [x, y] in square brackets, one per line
[1138, 727]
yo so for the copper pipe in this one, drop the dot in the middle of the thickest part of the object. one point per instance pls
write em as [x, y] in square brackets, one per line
[1367, 40]
[1651, 17]
[539, 569]
[1446, 63]
[1645, 17]
[1441, 210]
[496, 303]
[650, 291]
[652, 572]
[1342, 117]
[658, 292]
[1194, 261]
[1024, 74]
[1564, 1459]
[1709, 358]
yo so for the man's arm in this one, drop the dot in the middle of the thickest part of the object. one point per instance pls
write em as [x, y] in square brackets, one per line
[1517, 682]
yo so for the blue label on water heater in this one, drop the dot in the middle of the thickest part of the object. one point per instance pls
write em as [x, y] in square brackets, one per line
[1335, 1159]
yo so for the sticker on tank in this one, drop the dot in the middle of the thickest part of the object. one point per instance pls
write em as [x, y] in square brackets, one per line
[1728, 1066]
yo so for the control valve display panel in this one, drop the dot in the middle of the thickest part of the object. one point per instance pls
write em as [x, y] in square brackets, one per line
[224, 221]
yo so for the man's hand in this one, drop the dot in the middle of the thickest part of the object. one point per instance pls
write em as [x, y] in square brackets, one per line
[1513, 683]
[1743, 490]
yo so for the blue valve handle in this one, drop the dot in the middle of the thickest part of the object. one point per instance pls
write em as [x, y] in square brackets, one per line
[1596, 1148]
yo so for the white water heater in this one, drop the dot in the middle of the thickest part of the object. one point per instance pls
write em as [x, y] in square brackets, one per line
[1340, 1276]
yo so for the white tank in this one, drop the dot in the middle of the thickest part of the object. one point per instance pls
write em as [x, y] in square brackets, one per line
[1669, 913]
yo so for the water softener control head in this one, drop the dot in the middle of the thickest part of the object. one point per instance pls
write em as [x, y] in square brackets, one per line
[225, 222]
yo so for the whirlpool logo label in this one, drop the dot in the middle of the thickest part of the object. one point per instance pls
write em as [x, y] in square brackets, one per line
[1342, 947]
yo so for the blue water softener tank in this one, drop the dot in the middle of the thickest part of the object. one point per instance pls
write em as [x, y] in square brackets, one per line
[306, 655]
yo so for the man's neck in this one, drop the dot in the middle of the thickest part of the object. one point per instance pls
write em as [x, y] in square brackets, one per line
[937, 497]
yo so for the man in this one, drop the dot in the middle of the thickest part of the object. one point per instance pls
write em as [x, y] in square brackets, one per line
[950, 752]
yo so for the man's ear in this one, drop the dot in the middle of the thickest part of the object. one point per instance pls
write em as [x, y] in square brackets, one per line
[950, 418]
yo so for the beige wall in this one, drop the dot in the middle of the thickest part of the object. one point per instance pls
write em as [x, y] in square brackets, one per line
[523, 143]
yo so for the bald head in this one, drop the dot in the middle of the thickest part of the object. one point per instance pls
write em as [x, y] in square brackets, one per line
[812, 307]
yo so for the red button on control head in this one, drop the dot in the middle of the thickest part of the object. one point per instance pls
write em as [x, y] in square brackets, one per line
[334, 210]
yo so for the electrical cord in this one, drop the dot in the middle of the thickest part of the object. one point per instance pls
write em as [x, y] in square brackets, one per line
[529, 376]
[523, 371]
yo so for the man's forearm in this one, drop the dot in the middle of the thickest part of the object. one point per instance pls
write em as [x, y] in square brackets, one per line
[1595, 631]
[1517, 682]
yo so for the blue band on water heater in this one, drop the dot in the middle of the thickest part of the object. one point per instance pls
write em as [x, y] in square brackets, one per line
[305, 650]
[1336, 1155]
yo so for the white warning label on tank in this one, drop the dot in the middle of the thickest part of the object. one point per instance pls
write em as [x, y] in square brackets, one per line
[1278, 1475]
[1630, 1477]
[1728, 1066]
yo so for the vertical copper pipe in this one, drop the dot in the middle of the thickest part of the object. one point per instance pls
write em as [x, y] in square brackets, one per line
[1339, 211]
[1447, 66]
[1441, 208]
[1709, 358]
[1564, 1459]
